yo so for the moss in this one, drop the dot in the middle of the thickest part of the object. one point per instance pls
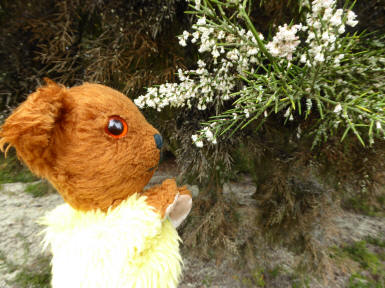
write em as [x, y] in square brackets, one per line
[39, 189]
[207, 281]
[301, 283]
[255, 279]
[359, 281]
[369, 255]
[365, 205]
[10, 266]
[376, 241]
[11, 170]
[37, 275]
[275, 272]
[360, 253]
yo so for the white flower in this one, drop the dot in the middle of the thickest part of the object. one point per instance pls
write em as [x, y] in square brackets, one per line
[338, 59]
[309, 104]
[150, 103]
[318, 5]
[303, 58]
[209, 135]
[233, 55]
[378, 125]
[310, 36]
[221, 35]
[299, 132]
[201, 106]
[341, 29]
[195, 36]
[252, 51]
[139, 102]
[182, 42]
[287, 113]
[332, 38]
[338, 108]
[317, 24]
[197, 142]
[273, 48]
[185, 35]
[197, 4]
[327, 14]
[201, 21]
[319, 57]
[180, 76]
[351, 21]
[215, 53]
[336, 19]
[284, 42]
[201, 63]
[325, 36]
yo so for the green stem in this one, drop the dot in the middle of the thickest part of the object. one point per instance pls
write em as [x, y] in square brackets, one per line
[255, 33]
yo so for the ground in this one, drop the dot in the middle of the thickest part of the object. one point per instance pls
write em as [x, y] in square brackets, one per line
[23, 264]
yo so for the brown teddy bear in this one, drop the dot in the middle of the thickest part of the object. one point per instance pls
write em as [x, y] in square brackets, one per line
[96, 148]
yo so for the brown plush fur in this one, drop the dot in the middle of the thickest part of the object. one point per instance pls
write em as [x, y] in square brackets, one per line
[60, 134]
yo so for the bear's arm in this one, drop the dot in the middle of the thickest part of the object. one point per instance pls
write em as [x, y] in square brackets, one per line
[170, 201]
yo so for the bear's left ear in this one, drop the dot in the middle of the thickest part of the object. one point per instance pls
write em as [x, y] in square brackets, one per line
[30, 126]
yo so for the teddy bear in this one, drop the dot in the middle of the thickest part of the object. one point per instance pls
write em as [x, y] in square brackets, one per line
[97, 149]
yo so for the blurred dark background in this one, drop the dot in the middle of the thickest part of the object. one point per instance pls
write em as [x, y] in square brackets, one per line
[124, 44]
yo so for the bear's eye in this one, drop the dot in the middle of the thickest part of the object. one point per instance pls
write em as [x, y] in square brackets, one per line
[116, 127]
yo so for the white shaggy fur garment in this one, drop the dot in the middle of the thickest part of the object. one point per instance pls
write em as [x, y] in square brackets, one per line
[129, 246]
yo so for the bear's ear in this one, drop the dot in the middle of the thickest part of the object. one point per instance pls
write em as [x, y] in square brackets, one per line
[29, 128]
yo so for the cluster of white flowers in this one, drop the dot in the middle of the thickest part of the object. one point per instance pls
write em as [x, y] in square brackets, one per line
[205, 84]
[338, 108]
[205, 133]
[324, 24]
[234, 50]
[285, 42]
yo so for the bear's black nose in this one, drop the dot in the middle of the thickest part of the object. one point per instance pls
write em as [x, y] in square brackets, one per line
[158, 141]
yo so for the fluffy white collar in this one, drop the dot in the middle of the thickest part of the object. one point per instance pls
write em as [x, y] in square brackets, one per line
[129, 246]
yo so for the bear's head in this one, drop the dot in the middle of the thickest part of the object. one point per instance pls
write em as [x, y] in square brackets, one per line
[90, 141]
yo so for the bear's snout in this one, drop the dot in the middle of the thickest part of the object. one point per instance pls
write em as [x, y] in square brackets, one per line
[158, 141]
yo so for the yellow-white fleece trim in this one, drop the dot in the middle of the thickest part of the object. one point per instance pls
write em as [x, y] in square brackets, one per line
[129, 246]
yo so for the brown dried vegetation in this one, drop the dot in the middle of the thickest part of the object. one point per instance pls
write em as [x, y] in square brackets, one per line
[123, 44]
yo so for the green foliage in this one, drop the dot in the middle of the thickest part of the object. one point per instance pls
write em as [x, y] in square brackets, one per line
[360, 253]
[302, 283]
[359, 281]
[256, 279]
[363, 204]
[348, 96]
[377, 242]
[11, 170]
[39, 189]
[37, 275]
[369, 255]
[10, 267]
[241, 84]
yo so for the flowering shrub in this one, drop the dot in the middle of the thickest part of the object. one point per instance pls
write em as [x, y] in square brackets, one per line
[313, 67]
